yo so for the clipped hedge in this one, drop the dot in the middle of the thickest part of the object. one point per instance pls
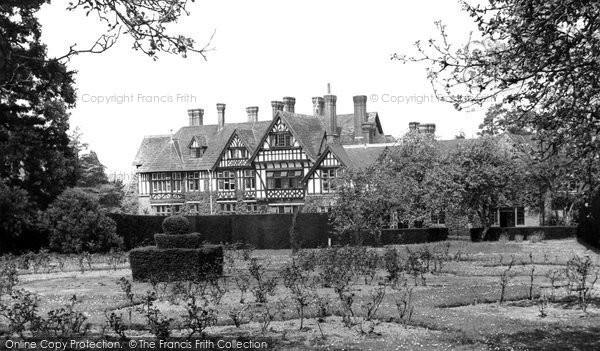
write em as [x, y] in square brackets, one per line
[170, 241]
[588, 231]
[413, 235]
[176, 225]
[550, 233]
[401, 236]
[175, 264]
[264, 231]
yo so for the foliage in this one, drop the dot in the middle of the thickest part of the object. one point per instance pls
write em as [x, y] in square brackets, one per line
[415, 179]
[360, 205]
[9, 277]
[90, 172]
[538, 59]
[199, 315]
[264, 285]
[582, 276]
[176, 225]
[486, 175]
[77, 224]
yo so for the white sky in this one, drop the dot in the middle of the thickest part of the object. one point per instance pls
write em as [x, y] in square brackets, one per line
[264, 50]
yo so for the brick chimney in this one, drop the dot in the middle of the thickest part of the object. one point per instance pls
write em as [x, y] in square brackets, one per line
[289, 103]
[196, 116]
[413, 126]
[252, 113]
[277, 106]
[221, 115]
[331, 118]
[318, 106]
[360, 115]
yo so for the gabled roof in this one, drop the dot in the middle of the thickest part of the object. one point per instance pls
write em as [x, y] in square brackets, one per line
[308, 130]
[339, 153]
[157, 153]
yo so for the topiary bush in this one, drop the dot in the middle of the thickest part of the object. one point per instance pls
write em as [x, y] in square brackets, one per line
[168, 241]
[76, 223]
[176, 264]
[176, 225]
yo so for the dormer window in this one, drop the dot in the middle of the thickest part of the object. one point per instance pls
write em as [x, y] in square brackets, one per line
[196, 152]
[196, 148]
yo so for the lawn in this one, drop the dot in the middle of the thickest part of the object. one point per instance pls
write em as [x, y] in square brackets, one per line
[454, 308]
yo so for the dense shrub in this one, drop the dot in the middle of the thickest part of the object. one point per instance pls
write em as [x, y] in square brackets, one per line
[189, 241]
[549, 233]
[151, 263]
[76, 223]
[176, 225]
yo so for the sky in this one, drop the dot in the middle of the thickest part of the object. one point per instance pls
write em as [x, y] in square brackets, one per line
[263, 51]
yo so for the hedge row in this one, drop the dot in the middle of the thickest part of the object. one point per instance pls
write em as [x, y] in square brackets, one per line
[174, 241]
[398, 237]
[264, 231]
[550, 233]
[151, 263]
[588, 231]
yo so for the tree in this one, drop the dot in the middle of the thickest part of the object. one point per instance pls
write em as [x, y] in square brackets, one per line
[414, 178]
[360, 205]
[532, 56]
[77, 223]
[90, 172]
[37, 161]
[486, 175]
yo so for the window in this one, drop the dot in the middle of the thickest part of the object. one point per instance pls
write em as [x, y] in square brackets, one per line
[162, 210]
[193, 181]
[227, 207]
[196, 152]
[284, 179]
[161, 182]
[177, 183]
[249, 180]
[237, 153]
[226, 180]
[328, 175]
[520, 216]
[283, 209]
[438, 218]
[281, 140]
[253, 208]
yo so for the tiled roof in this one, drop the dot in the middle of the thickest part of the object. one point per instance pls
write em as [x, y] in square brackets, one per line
[346, 122]
[308, 129]
[362, 156]
[158, 153]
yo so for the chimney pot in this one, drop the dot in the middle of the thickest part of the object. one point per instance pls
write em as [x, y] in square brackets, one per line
[221, 115]
[277, 106]
[360, 115]
[289, 103]
[331, 116]
[196, 116]
[318, 106]
[252, 113]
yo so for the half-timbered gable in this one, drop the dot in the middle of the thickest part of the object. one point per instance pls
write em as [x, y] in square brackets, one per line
[321, 177]
[286, 154]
